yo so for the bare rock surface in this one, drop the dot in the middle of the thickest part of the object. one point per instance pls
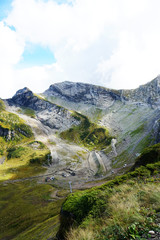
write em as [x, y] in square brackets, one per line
[56, 117]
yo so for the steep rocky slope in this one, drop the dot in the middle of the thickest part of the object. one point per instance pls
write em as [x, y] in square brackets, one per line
[132, 116]
[148, 93]
[119, 125]
[47, 122]
[49, 114]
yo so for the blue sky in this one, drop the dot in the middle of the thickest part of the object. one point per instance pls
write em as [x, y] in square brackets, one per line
[36, 54]
[5, 7]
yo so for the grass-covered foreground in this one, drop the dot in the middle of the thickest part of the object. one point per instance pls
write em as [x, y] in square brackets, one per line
[127, 207]
[87, 134]
[131, 210]
[28, 211]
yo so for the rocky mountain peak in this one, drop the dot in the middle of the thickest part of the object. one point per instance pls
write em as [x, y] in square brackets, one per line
[22, 91]
[83, 93]
[51, 115]
[148, 93]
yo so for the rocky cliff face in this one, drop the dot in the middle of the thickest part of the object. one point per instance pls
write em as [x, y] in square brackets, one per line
[7, 133]
[148, 93]
[103, 97]
[26, 98]
[83, 93]
[49, 114]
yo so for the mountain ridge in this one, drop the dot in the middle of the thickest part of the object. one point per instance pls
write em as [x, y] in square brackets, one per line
[148, 93]
[116, 117]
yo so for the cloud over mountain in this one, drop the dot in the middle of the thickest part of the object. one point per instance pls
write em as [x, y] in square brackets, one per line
[111, 43]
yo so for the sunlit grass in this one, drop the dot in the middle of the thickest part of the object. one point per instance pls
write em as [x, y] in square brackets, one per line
[81, 234]
[19, 166]
[130, 210]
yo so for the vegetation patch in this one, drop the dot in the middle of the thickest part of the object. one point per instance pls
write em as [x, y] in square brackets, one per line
[23, 156]
[89, 197]
[87, 134]
[139, 130]
[131, 211]
[149, 155]
[12, 122]
[29, 112]
[16, 152]
[22, 160]
[2, 105]
[41, 159]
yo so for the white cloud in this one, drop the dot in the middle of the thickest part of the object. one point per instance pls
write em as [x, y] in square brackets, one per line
[107, 42]
[36, 77]
[52, 24]
[11, 47]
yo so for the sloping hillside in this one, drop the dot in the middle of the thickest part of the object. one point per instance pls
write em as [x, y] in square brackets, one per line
[20, 155]
[127, 207]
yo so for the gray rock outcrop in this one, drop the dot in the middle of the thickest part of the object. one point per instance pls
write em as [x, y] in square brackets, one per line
[7, 133]
[103, 97]
[148, 93]
[85, 93]
[49, 114]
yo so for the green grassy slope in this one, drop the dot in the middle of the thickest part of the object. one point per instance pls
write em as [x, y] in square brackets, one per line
[87, 134]
[24, 160]
[28, 211]
[23, 157]
[126, 207]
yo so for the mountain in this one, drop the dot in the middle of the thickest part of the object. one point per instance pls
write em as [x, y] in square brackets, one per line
[83, 93]
[148, 93]
[131, 116]
[72, 137]
[49, 114]
[103, 97]
[91, 130]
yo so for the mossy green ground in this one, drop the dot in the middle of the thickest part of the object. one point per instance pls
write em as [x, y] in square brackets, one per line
[87, 134]
[28, 211]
